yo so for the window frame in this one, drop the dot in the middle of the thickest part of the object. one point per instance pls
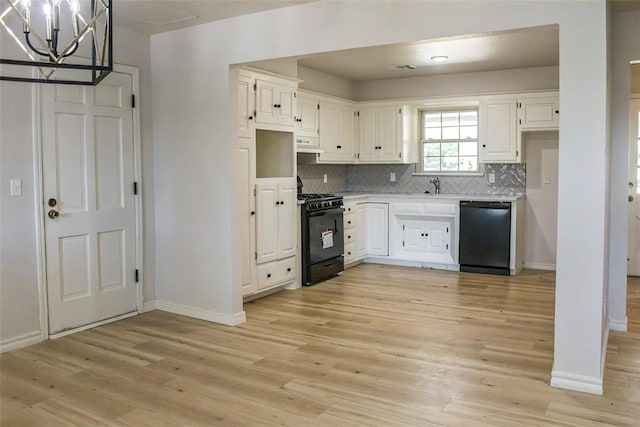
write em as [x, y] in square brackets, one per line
[422, 140]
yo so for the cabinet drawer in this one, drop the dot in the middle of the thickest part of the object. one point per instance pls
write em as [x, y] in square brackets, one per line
[350, 236]
[349, 220]
[276, 272]
[350, 252]
[306, 142]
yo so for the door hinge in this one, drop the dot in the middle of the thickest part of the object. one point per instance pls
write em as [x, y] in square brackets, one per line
[403, 228]
[519, 121]
[254, 192]
[400, 155]
[447, 229]
[399, 110]
[255, 86]
[255, 114]
[517, 153]
[318, 131]
[135, 188]
[358, 113]
[137, 275]
[318, 106]
[403, 243]
[295, 95]
[255, 255]
[133, 100]
[358, 155]
[447, 246]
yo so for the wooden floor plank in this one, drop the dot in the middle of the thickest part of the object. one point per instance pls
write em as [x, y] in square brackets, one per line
[378, 345]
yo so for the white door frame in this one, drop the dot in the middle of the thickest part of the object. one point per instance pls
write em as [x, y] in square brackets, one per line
[41, 273]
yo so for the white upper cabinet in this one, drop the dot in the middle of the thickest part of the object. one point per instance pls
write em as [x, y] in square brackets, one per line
[275, 102]
[307, 126]
[498, 139]
[538, 113]
[337, 131]
[380, 134]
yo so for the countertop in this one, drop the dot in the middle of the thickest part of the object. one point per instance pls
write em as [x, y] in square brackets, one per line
[430, 196]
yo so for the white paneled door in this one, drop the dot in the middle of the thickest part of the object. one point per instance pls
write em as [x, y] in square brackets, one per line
[88, 179]
[633, 244]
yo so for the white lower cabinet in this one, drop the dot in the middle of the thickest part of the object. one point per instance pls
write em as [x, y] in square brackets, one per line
[377, 229]
[276, 240]
[425, 239]
[276, 272]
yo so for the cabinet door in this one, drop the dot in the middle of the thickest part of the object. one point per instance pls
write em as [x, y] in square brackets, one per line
[538, 113]
[246, 105]
[307, 115]
[389, 134]
[286, 110]
[361, 225]
[334, 132]
[287, 196]
[346, 132]
[266, 101]
[244, 166]
[414, 236]
[498, 123]
[267, 222]
[378, 229]
[439, 238]
[367, 135]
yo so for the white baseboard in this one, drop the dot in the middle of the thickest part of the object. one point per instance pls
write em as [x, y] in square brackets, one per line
[539, 266]
[211, 316]
[583, 383]
[575, 382]
[619, 324]
[21, 341]
[149, 306]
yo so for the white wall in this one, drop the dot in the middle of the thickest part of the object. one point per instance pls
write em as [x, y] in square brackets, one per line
[197, 263]
[486, 82]
[19, 284]
[635, 78]
[626, 48]
[541, 215]
[318, 81]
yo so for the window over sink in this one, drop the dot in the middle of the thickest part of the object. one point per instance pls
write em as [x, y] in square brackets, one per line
[449, 140]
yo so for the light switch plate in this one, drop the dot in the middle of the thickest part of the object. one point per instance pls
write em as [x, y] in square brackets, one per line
[16, 187]
[392, 176]
[492, 178]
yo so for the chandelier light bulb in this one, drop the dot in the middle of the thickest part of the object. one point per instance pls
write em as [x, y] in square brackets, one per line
[55, 2]
[75, 6]
[46, 8]
[26, 3]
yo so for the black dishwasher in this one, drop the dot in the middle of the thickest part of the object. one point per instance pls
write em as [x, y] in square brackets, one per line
[485, 237]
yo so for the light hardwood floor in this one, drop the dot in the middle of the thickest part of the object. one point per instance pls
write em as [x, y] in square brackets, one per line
[379, 345]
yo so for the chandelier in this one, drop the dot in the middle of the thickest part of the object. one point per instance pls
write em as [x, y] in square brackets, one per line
[56, 41]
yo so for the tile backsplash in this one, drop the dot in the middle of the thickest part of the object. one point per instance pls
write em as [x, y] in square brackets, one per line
[510, 179]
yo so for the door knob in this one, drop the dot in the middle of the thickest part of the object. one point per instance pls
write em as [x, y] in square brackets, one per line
[53, 214]
[52, 202]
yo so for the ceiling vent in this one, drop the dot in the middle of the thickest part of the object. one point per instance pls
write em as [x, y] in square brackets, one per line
[401, 67]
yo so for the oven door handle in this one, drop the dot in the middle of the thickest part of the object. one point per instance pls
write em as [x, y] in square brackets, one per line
[328, 211]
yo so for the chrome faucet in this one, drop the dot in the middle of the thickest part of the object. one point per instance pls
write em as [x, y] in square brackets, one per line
[436, 184]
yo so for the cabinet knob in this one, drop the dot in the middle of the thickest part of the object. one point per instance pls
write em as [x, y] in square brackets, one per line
[348, 237]
[288, 269]
[349, 209]
[250, 117]
[484, 145]
[252, 213]
[348, 253]
[339, 147]
[277, 203]
[268, 275]
[282, 202]
[349, 222]
[557, 111]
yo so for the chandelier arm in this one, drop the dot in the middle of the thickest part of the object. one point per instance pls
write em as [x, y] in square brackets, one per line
[75, 47]
[26, 37]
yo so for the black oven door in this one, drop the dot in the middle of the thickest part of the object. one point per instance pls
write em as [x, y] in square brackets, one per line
[325, 234]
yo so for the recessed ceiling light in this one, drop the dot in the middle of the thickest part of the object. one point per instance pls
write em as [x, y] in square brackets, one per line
[439, 58]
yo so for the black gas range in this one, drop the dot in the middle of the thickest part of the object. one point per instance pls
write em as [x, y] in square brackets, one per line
[322, 237]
